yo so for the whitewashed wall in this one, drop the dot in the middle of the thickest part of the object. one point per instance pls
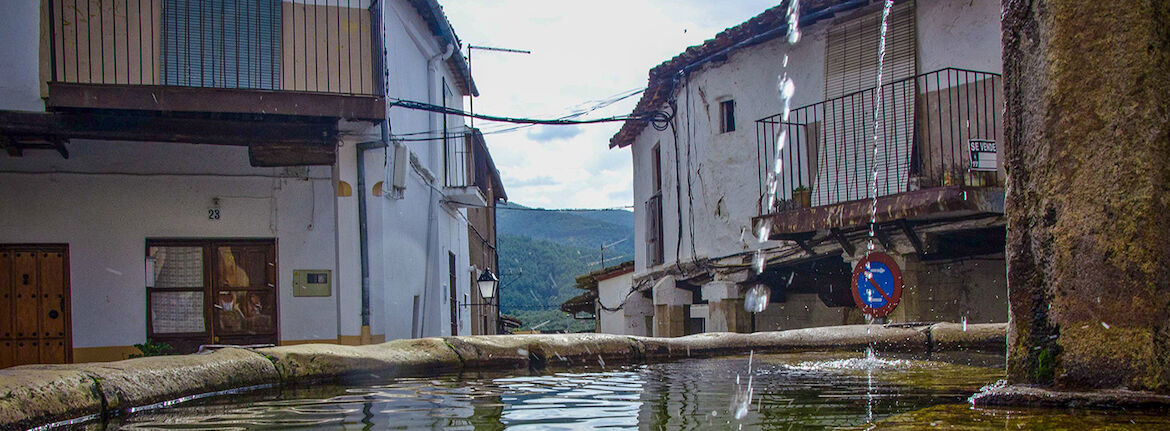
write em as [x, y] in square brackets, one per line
[109, 197]
[724, 183]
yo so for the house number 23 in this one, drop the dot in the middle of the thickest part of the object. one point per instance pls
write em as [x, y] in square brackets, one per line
[213, 214]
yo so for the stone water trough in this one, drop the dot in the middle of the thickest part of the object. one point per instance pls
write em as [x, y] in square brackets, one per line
[35, 395]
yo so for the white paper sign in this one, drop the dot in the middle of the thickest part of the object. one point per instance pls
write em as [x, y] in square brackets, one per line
[983, 155]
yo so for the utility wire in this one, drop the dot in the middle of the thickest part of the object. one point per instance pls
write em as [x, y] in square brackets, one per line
[411, 104]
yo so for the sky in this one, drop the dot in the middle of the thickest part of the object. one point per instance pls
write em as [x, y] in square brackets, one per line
[582, 52]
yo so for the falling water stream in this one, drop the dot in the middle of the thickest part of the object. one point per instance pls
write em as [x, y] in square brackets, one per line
[757, 297]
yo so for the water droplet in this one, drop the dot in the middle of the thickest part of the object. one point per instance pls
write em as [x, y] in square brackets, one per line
[757, 298]
[1106, 325]
[787, 88]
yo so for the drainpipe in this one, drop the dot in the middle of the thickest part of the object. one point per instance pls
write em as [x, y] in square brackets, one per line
[377, 11]
[436, 96]
[363, 233]
[429, 282]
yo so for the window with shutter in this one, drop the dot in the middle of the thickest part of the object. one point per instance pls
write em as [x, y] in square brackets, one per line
[222, 43]
[845, 159]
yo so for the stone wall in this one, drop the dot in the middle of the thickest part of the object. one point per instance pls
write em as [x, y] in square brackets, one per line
[1087, 142]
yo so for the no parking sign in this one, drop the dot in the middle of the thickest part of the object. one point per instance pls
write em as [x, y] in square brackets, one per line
[877, 284]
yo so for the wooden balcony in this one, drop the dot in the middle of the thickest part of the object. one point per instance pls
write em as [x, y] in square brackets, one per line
[252, 57]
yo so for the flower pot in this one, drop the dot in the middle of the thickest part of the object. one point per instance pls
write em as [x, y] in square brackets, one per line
[802, 197]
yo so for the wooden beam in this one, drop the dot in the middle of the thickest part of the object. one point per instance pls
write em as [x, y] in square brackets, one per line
[61, 125]
[164, 98]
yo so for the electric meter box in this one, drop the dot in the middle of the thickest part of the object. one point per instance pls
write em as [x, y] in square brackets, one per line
[312, 282]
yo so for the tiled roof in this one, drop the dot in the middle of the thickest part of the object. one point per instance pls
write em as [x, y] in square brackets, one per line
[770, 24]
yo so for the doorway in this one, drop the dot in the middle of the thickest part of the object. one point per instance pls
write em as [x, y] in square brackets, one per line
[35, 313]
[211, 292]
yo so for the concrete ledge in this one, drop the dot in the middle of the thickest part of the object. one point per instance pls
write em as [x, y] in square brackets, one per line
[144, 381]
[539, 350]
[33, 395]
[316, 362]
[980, 336]
[39, 394]
[1023, 395]
[850, 337]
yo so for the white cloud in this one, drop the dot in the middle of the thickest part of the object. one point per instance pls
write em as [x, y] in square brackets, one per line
[581, 51]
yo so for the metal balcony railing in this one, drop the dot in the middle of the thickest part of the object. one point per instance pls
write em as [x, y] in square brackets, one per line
[932, 125]
[321, 46]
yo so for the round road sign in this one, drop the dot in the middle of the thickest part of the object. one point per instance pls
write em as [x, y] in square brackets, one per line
[877, 284]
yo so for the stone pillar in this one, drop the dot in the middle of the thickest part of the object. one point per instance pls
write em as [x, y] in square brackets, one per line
[670, 308]
[725, 308]
[1087, 146]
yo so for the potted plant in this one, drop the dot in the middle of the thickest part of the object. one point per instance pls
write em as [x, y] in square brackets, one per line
[803, 196]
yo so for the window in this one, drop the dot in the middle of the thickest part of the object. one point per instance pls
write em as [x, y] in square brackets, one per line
[220, 43]
[727, 116]
[654, 246]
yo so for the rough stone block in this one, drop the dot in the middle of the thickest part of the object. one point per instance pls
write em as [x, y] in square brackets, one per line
[313, 362]
[33, 395]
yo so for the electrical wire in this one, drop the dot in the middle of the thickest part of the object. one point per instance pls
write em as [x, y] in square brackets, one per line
[421, 106]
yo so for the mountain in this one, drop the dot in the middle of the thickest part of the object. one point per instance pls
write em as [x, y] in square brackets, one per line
[543, 251]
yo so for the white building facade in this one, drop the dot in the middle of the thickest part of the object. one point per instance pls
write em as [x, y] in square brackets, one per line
[207, 189]
[695, 251]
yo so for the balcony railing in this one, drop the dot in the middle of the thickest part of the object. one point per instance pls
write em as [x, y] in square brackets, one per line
[319, 46]
[932, 125]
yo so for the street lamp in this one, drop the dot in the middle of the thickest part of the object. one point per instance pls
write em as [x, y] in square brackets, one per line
[487, 283]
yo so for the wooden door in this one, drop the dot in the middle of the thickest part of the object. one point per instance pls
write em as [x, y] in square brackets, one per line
[454, 289]
[34, 305]
[244, 309]
[212, 292]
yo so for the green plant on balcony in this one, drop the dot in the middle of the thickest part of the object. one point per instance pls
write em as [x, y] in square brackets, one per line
[803, 196]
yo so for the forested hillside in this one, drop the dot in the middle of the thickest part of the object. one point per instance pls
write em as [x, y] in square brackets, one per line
[542, 251]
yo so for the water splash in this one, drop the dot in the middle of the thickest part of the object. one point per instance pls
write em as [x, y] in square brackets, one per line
[743, 396]
[756, 299]
[786, 88]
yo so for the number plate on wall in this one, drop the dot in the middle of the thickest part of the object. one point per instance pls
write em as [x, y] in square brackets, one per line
[312, 282]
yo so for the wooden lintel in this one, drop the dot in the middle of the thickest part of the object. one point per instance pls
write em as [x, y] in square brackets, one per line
[167, 98]
[147, 128]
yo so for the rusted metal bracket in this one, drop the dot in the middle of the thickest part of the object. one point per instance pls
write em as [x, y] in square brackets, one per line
[884, 238]
[913, 237]
[59, 145]
[841, 239]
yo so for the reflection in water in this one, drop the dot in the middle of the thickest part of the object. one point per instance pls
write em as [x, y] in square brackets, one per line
[796, 391]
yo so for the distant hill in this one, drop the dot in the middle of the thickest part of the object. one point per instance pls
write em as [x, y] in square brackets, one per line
[550, 248]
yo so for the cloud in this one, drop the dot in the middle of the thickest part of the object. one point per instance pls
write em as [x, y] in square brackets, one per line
[552, 133]
[583, 52]
[531, 182]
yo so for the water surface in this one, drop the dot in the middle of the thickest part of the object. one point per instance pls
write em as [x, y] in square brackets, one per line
[807, 391]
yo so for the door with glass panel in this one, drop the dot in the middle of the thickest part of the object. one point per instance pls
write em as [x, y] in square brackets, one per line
[211, 292]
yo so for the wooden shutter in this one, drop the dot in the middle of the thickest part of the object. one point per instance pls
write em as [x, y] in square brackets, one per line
[845, 158]
[222, 43]
[654, 253]
[851, 51]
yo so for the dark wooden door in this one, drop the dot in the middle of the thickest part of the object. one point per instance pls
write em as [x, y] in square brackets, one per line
[244, 311]
[454, 300]
[212, 292]
[34, 305]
